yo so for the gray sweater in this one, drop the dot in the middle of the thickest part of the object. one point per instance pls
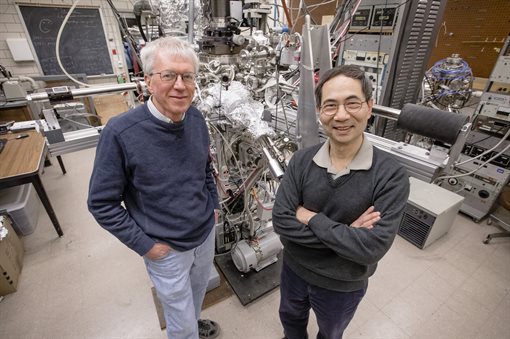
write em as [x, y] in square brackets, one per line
[328, 252]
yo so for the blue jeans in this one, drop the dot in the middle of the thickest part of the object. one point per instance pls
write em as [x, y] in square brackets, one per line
[180, 280]
[334, 310]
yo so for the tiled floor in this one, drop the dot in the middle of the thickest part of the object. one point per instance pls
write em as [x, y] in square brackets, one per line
[88, 285]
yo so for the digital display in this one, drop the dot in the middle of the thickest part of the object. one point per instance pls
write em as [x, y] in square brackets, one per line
[361, 18]
[384, 17]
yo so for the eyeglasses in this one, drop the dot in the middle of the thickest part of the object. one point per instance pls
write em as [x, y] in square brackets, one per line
[351, 106]
[187, 78]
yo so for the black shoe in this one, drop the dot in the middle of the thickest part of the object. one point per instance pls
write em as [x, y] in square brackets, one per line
[208, 329]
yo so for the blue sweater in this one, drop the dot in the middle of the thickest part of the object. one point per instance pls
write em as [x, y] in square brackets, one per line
[328, 252]
[162, 174]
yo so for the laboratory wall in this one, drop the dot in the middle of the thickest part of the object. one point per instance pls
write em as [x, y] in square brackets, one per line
[11, 26]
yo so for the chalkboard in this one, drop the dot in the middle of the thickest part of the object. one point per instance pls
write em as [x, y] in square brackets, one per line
[83, 47]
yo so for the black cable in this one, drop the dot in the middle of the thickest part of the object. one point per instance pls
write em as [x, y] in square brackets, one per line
[5, 72]
[473, 104]
[353, 34]
[125, 32]
[277, 89]
[290, 74]
[487, 137]
[140, 28]
[338, 18]
[231, 17]
[338, 15]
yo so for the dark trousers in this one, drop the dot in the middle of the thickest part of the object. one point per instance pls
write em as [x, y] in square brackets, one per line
[334, 310]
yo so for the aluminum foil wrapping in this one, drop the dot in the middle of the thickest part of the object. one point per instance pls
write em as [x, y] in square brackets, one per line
[3, 229]
[239, 107]
[173, 15]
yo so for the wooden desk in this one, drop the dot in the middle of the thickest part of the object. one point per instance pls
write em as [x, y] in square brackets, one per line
[21, 162]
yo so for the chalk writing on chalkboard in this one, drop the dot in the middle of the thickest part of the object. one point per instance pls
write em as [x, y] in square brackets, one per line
[83, 47]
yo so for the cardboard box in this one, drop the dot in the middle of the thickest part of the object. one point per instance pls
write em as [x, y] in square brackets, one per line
[11, 257]
[110, 105]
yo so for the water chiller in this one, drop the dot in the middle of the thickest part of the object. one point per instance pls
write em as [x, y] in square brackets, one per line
[429, 213]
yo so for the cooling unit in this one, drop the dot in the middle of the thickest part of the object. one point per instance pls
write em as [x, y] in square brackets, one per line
[429, 213]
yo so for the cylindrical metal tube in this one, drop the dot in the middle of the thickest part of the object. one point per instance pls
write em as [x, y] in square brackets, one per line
[191, 20]
[386, 112]
[274, 165]
[83, 92]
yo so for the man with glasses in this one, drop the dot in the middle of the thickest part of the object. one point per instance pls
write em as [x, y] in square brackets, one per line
[337, 211]
[152, 186]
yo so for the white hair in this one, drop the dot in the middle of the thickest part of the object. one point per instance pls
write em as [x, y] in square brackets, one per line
[171, 46]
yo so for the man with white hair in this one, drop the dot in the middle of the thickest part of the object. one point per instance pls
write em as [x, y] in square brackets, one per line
[154, 160]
